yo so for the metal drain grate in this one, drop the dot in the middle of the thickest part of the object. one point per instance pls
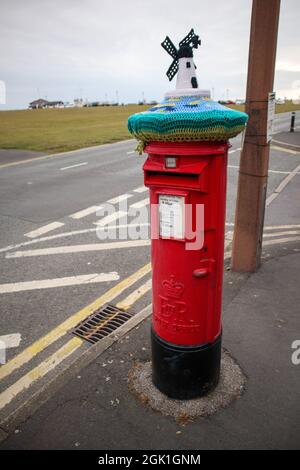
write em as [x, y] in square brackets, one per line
[101, 323]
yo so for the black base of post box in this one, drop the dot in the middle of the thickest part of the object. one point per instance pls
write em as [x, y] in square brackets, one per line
[185, 372]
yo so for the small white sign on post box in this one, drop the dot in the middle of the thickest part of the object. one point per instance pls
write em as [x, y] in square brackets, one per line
[171, 216]
[271, 114]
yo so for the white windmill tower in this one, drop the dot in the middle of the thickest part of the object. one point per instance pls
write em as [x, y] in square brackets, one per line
[183, 63]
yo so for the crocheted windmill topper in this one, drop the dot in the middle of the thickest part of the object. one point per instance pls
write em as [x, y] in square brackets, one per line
[187, 113]
[183, 60]
[183, 64]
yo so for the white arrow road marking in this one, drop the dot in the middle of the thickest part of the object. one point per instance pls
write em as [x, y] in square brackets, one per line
[85, 212]
[78, 248]
[11, 341]
[58, 282]
[45, 229]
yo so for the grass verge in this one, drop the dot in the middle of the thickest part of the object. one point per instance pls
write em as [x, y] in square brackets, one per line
[61, 130]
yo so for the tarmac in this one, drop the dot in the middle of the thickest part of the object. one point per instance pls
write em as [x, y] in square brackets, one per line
[97, 409]
[13, 155]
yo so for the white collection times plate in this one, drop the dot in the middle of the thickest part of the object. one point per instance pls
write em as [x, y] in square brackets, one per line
[171, 216]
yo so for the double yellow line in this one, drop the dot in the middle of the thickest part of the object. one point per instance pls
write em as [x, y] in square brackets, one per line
[72, 345]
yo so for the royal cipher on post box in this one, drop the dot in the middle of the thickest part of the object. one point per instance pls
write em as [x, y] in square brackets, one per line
[186, 139]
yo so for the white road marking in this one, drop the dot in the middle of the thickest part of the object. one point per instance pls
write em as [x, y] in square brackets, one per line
[45, 239]
[85, 212]
[280, 172]
[283, 149]
[78, 248]
[130, 152]
[69, 234]
[93, 209]
[63, 328]
[69, 348]
[271, 198]
[11, 341]
[140, 189]
[110, 218]
[124, 226]
[276, 241]
[140, 204]
[235, 150]
[58, 282]
[121, 198]
[44, 229]
[281, 240]
[73, 166]
[70, 152]
[276, 227]
[280, 234]
[282, 185]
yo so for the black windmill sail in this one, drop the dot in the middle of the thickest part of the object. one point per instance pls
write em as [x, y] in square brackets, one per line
[183, 63]
[171, 49]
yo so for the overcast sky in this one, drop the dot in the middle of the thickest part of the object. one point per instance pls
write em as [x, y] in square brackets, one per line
[65, 49]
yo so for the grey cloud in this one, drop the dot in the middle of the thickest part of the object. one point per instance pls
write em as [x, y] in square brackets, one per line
[67, 47]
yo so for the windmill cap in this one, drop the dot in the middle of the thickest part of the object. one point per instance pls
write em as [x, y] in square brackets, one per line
[185, 51]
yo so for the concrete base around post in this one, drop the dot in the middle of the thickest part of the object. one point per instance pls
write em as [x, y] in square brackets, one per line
[230, 387]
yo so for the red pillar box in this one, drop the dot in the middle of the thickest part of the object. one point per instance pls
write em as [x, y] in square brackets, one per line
[186, 138]
[187, 263]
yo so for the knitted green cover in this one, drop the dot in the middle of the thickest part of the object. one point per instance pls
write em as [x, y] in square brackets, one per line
[187, 119]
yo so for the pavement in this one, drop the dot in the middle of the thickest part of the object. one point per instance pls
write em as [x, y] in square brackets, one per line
[288, 138]
[79, 398]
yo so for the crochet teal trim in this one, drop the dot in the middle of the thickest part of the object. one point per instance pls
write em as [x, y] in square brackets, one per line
[187, 119]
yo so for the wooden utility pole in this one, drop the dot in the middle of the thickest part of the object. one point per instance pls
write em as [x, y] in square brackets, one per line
[254, 163]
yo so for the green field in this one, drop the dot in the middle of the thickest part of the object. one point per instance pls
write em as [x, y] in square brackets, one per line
[287, 107]
[59, 130]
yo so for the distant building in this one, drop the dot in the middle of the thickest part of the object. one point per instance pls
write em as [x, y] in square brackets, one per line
[55, 104]
[78, 102]
[41, 103]
[38, 104]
